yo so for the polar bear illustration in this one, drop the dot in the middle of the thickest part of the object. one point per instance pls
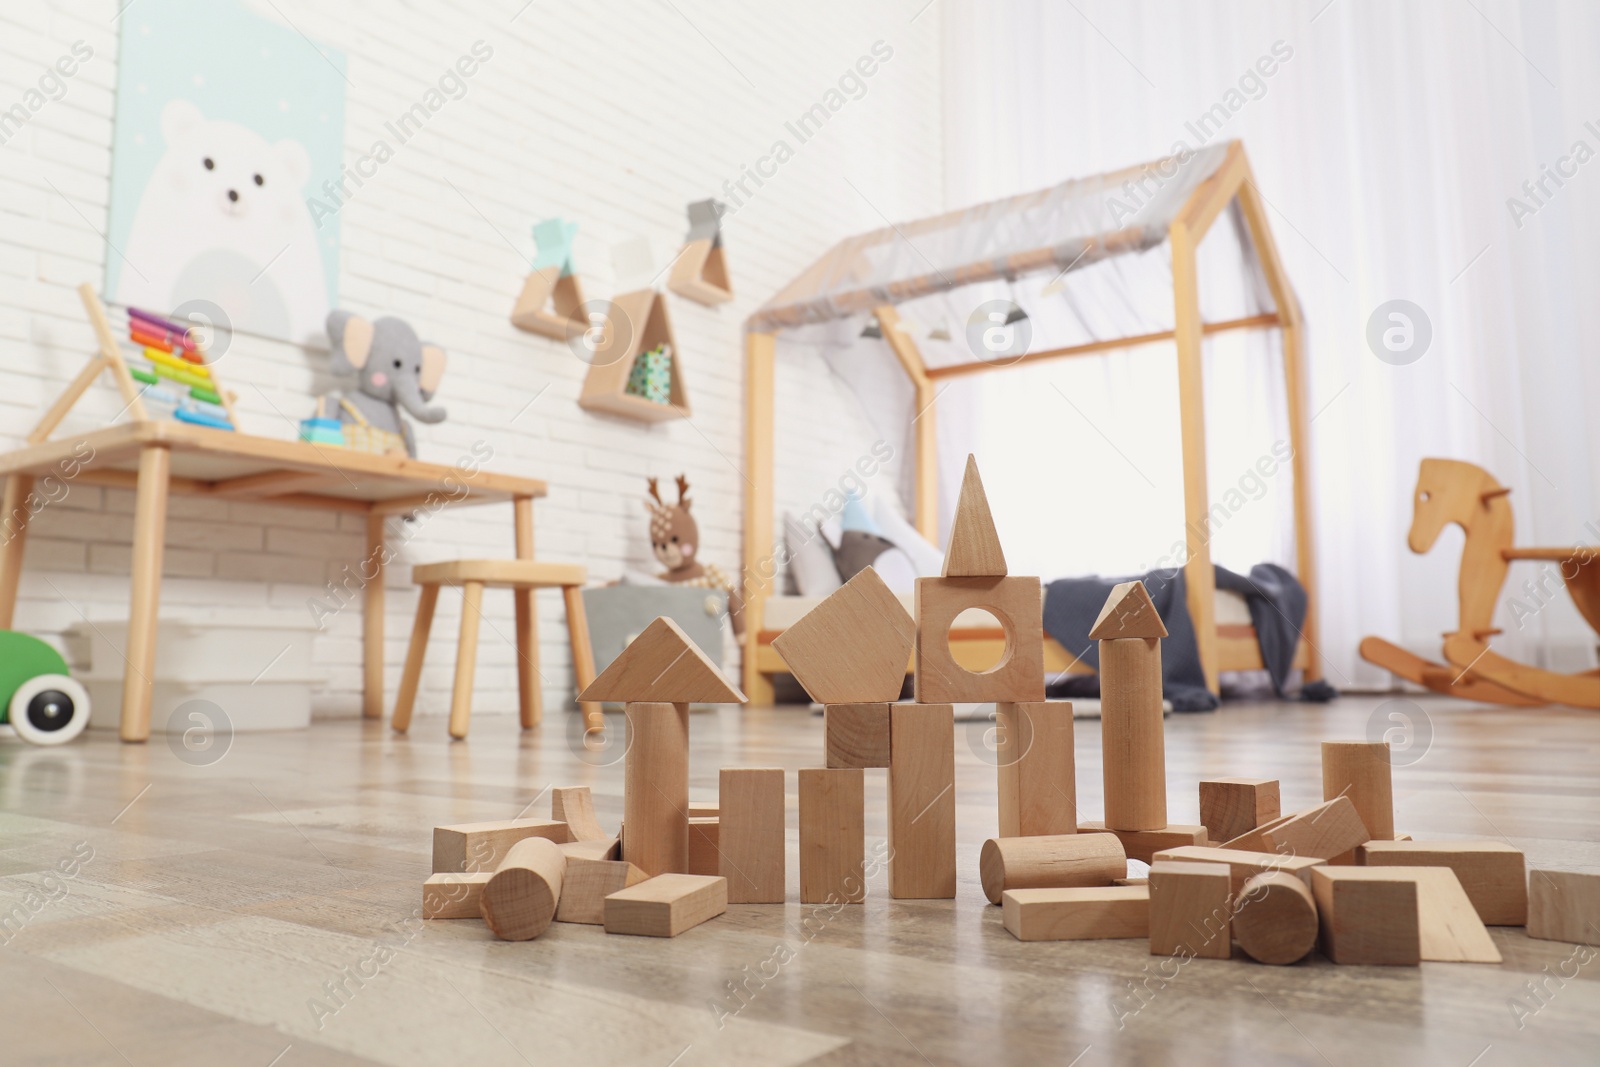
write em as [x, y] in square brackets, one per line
[223, 219]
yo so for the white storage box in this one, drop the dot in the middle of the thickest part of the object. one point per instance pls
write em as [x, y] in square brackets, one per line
[230, 647]
[266, 705]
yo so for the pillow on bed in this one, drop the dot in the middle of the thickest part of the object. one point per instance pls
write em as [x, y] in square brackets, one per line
[810, 558]
[926, 560]
[862, 545]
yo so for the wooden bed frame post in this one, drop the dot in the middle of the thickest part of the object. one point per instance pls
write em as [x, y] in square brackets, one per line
[924, 423]
[759, 385]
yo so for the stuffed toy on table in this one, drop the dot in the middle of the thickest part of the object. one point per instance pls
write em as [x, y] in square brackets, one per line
[675, 540]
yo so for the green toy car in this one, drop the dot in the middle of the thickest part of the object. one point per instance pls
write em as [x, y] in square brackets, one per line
[41, 701]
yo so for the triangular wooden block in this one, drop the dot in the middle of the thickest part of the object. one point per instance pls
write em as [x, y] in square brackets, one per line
[663, 665]
[854, 647]
[1129, 612]
[974, 550]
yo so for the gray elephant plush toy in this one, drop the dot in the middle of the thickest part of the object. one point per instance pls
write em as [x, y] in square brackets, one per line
[398, 371]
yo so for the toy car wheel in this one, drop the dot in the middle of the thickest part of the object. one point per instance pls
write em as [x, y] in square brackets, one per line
[49, 709]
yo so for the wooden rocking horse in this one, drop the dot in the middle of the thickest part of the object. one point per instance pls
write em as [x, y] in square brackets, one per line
[1451, 491]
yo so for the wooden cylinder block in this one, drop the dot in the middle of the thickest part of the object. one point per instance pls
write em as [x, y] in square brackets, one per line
[1060, 861]
[1360, 771]
[1276, 921]
[520, 900]
[655, 805]
[1131, 737]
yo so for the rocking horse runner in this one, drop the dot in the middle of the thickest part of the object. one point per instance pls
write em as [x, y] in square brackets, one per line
[1451, 491]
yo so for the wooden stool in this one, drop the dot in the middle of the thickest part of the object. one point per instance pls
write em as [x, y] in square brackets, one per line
[522, 577]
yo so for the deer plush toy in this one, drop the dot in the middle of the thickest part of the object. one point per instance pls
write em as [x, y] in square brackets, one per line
[675, 540]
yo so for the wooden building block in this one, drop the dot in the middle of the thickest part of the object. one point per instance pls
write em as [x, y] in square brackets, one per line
[1276, 920]
[705, 857]
[473, 847]
[1127, 614]
[1132, 737]
[1327, 830]
[1449, 930]
[519, 902]
[1036, 764]
[922, 802]
[574, 805]
[1368, 915]
[1189, 909]
[592, 850]
[663, 665]
[1019, 605]
[1564, 906]
[454, 896]
[857, 735]
[1077, 914]
[752, 835]
[1232, 807]
[1360, 770]
[666, 905]
[656, 788]
[1061, 861]
[1244, 865]
[854, 646]
[1492, 873]
[586, 885]
[832, 835]
[704, 811]
[1144, 844]
[974, 550]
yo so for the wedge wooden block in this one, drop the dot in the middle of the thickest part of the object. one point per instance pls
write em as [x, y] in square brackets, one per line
[705, 857]
[1360, 770]
[574, 805]
[1368, 915]
[974, 550]
[752, 835]
[1018, 603]
[475, 847]
[1058, 862]
[922, 802]
[1144, 844]
[663, 665]
[1448, 924]
[454, 896]
[1077, 914]
[519, 902]
[1132, 735]
[1564, 906]
[832, 835]
[1327, 830]
[656, 788]
[1036, 765]
[1190, 911]
[587, 883]
[666, 905]
[857, 735]
[1275, 919]
[610, 849]
[1492, 873]
[1244, 865]
[854, 646]
[1232, 807]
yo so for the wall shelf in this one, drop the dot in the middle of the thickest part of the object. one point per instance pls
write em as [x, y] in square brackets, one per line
[637, 322]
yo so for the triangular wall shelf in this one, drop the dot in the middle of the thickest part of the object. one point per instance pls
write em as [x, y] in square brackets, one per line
[700, 273]
[549, 303]
[638, 322]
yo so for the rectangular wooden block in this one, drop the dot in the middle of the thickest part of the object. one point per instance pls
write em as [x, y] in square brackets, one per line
[1368, 915]
[1564, 906]
[1232, 807]
[1144, 844]
[454, 896]
[666, 905]
[1244, 865]
[480, 846]
[656, 788]
[832, 835]
[1036, 764]
[1492, 873]
[704, 811]
[587, 883]
[857, 734]
[922, 802]
[752, 835]
[1189, 909]
[704, 855]
[1327, 830]
[1077, 914]
[1019, 605]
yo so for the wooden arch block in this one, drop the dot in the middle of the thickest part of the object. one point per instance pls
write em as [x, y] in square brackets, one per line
[974, 550]
[1019, 605]
[663, 665]
[854, 646]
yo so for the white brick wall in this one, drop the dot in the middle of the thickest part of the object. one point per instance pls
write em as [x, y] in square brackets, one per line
[613, 114]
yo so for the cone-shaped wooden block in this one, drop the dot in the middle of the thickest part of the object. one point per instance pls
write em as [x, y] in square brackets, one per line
[974, 550]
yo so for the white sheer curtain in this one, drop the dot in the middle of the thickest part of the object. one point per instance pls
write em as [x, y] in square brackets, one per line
[1389, 140]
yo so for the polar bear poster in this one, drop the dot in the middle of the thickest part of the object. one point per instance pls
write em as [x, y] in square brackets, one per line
[215, 159]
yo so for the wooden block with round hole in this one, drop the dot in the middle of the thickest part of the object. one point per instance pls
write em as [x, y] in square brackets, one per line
[1232, 807]
[1275, 918]
[1018, 603]
[1492, 873]
[666, 905]
[1036, 768]
[480, 846]
[1189, 909]
[1144, 844]
[519, 902]
[922, 802]
[1367, 916]
[1081, 914]
[587, 883]
[832, 835]
[856, 735]
[1061, 861]
[853, 647]
[454, 896]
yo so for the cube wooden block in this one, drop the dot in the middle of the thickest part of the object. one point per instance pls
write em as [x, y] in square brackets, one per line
[656, 788]
[666, 905]
[1036, 765]
[1144, 844]
[1232, 807]
[1077, 914]
[454, 896]
[751, 839]
[1244, 865]
[832, 835]
[857, 735]
[704, 838]
[586, 886]
[1019, 605]
[1327, 830]
[475, 847]
[854, 646]
[922, 802]
[1492, 873]
[1366, 919]
[1564, 906]
[1189, 909]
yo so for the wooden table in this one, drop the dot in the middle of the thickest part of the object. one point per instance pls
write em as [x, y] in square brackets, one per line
[156, 458]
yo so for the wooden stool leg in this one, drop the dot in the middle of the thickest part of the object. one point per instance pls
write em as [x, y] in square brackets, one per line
[530, 699]
[411, 677]
[582, 655]
[466, 658]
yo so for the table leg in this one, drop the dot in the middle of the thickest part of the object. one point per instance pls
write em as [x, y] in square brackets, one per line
[13, 536]
[466, 658]
[411, 677]
[149, 543]
[372, 620]
[582, 655]
[530, 699]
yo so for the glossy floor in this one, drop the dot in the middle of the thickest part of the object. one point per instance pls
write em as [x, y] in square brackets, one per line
[258, 908]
